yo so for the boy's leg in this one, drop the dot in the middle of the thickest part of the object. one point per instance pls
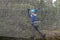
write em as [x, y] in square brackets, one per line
[40, 33]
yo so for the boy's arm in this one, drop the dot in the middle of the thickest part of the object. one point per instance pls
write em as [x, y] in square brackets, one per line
[28, 13]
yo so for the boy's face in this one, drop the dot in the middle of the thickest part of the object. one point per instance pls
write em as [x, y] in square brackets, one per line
[34, 14]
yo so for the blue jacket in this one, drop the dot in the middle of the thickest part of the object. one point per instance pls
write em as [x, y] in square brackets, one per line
[34, 18]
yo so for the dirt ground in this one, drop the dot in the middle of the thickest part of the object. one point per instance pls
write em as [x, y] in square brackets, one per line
[50, 35]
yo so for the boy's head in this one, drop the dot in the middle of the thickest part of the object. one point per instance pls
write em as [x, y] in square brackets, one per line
[33, 10]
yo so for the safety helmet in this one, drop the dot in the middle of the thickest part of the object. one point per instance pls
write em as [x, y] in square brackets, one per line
[33, 10]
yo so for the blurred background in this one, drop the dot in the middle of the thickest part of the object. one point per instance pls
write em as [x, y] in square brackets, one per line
[14, 21]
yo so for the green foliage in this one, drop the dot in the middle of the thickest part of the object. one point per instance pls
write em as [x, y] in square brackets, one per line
[17, 6]
[22, 6]
[17, 20]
